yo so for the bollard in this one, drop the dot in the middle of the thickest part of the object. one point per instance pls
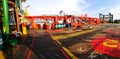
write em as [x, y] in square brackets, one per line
[24, 29]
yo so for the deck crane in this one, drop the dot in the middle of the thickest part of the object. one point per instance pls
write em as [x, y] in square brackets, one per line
[62, 13]
[80, 20]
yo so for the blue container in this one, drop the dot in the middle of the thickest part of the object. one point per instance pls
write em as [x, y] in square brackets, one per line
[69, 25]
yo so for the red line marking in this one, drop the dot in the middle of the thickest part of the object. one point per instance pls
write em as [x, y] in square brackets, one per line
[63, 52]
[29, 54]
[55, 42]
[33, 42]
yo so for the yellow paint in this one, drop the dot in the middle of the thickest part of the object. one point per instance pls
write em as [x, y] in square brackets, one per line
[111, 43]
[24, 29]
[1, 55]
[58, 42]
[73, 34]
[26, 13]
[65, 49]
[34, 25]
[57, 38]
[4, 28]
[23, 19]
[69, 53]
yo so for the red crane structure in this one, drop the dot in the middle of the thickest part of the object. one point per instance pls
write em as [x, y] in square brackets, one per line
[55, 22]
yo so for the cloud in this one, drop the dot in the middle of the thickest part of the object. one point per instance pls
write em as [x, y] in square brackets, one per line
[105, 10]
[115, 11]
[40, 7]
[102, 10]
[83, 4]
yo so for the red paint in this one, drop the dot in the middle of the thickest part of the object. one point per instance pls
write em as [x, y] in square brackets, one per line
[48, 27]
[63, 52]
[67, 57]
[29, 51]
[98, 45]
[53, 25]
[33, 42]
[29, 54]
[88, 20]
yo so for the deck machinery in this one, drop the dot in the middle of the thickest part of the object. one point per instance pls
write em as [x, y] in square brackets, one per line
[9, 18]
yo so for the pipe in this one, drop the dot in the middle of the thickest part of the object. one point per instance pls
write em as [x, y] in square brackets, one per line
[5, 13]
[17, 19]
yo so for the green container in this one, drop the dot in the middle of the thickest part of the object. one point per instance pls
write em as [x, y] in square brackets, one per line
[56, 26]
[13, 42]
[64, 25]
[59, 25]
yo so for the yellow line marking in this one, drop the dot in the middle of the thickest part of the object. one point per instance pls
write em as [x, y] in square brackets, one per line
[69, 53]
[73, 34]
[58, 42]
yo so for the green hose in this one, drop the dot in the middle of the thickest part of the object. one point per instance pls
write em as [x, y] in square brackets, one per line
[5, 17]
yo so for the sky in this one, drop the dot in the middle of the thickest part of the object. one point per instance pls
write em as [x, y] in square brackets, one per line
[75, 7]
